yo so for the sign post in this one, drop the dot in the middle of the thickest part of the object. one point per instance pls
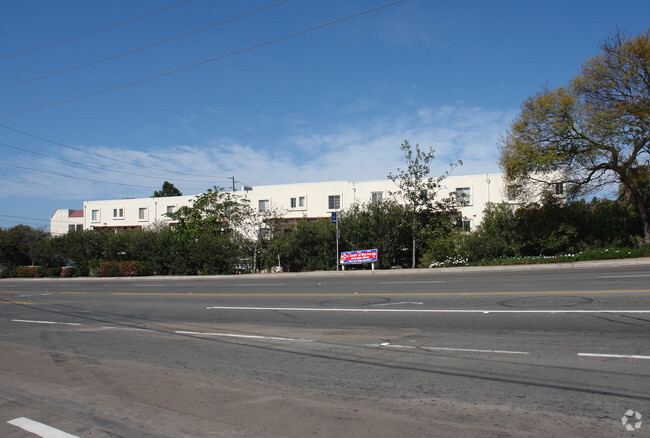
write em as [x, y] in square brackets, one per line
[338, 235]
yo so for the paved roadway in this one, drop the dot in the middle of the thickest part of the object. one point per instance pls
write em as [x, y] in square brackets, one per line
[523, 351]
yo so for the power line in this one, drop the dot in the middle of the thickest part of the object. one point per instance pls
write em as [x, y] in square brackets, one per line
[96, 167]
[187, 67]
[108, 26]
[56, 143]
[108, 58]
[32, 219]
[85, 179]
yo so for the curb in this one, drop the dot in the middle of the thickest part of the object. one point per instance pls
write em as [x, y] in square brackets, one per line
[593, 264]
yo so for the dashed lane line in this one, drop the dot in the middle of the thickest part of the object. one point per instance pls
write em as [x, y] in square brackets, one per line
[235, 335]
[31, 321]
[40, 429]
[614, 356]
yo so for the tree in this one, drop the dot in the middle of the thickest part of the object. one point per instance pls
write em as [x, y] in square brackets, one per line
[16, 245]
[168, 189]
[382, 225]
[215, 211]
[419, 190]
[595, 130]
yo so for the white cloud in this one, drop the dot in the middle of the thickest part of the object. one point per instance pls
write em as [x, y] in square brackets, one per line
[345, 152]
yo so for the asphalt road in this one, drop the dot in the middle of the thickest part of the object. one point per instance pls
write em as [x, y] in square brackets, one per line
[525, 351]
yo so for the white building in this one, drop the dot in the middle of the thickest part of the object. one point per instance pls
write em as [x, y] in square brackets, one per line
[66, 220]
[293, 201]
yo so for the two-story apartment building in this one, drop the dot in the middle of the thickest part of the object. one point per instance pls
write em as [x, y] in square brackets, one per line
[291, 201]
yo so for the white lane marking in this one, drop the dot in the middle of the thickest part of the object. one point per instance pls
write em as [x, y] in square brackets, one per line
[340, 309]
[106, 327]
[34, 295]
[44, 322]
[474, 350]
[234, 335]
[461, 350]
[40, 429]
[623, 276]
[396, 304]
[412, 282]
[615, 356]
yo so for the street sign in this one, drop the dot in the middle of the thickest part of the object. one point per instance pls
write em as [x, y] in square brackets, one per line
[333, 217]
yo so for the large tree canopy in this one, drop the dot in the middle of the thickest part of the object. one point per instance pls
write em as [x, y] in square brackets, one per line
[595, 130]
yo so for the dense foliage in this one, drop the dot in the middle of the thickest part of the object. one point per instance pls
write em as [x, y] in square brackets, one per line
[595, 131]
[551, 231]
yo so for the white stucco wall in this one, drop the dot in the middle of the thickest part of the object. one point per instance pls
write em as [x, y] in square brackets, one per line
[60, 222]
[125, 213]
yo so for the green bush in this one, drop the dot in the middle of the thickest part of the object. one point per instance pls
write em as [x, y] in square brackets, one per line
[29, 272]
[68, 271]
[53, 272]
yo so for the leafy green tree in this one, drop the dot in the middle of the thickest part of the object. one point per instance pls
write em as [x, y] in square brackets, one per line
[384, 226]
[214, 211]
[16, 245]
[308, 246]
[595, 130]
[419, 191]
[82, 248]
[168, 189]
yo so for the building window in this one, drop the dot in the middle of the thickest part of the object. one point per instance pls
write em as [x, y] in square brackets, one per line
[424, 194]
[142, 214]
[80, 227]
[334, 202]
[514, 193]
[559, 189]
[71, 227]
[94, 215]
[171, 208]
[297, 202]
[118, 213]
[463, 195]
[263, 205]
[376, 197]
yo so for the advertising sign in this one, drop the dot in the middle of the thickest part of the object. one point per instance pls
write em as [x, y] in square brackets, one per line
[363, 256]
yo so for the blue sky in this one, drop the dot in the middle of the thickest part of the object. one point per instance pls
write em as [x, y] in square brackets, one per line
[334, 103]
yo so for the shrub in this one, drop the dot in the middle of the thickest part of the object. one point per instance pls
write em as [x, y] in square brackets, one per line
[129, 269]
[68, 271]
[29, 272]
[53, 272]
[109, 269]
[122, 269]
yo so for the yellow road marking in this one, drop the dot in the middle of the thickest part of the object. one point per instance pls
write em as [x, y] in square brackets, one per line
[16, 302]
[352, 294]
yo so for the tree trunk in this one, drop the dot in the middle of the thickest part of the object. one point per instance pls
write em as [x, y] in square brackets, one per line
[643, 214]
[413, 261]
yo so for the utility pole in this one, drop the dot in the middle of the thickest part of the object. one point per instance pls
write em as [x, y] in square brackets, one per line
[233, 184]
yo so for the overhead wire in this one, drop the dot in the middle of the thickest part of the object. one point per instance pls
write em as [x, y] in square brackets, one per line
[74, 37]
[107, 157]
[128, 52]
[86, 179]
[206, 61]
[97, 167]
[31, 218]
